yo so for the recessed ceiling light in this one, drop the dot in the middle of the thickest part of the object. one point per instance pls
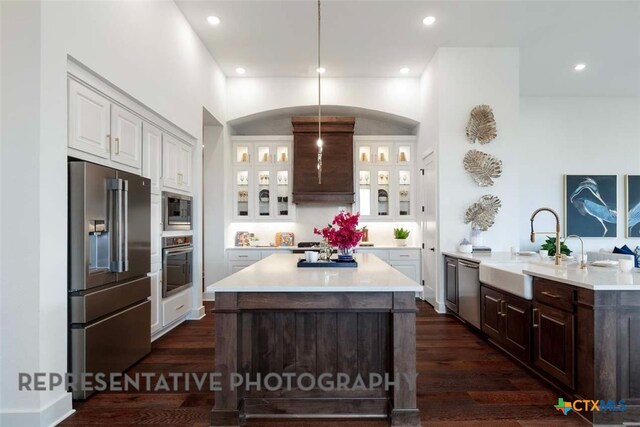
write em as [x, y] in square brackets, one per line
[579, 67]
[213, 20]
[429, 20]
[404, 70]
[240, 70]
[320, 70]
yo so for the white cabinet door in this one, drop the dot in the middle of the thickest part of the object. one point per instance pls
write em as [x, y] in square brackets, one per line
[170, 161]
[235, 266]
[411, 270]
[155, 298]
[89, 125]
[126, 137]
[184, 166]
[156, 229]
[152, 156]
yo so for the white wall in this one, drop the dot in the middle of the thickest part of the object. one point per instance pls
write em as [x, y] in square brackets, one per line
[455, 81]
[216, 170]
[469, 77]
[574, 136]
[148, 50]
[248, 96]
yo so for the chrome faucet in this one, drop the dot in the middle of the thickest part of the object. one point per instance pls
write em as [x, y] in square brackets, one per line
[583, 264]
[533, 233]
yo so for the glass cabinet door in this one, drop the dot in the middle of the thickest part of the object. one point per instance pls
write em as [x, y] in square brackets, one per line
[404, 193]
[383, 154]
[364, 154]
[264, 154]
[242, 193]
[282, 154]
[242, 154]
[283, 189]
[263, 193]
[404, 153]
[383, 196]
[365, 186]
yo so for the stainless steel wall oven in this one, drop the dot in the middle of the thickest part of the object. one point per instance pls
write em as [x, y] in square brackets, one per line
[177, 264]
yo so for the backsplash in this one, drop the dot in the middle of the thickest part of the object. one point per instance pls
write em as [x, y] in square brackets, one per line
[308, 217]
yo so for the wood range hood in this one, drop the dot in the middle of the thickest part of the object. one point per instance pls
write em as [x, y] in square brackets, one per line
[337, 160]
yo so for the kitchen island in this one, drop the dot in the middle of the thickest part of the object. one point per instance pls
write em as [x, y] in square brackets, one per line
[315, 342]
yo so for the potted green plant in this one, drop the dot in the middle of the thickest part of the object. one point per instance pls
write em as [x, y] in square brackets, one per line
[400, 236]
[550, 245]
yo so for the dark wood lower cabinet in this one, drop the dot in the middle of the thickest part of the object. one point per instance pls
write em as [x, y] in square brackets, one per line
[554, 343]
[507, 321]
[516, 335]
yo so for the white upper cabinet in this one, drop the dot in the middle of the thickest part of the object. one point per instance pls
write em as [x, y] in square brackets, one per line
[89, 124]
[176, 163]
[170, 159]
[184, 166]
[126, 137]
[152, 156]
[385, 171]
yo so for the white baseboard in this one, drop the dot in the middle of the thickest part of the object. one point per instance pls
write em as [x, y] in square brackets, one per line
[197, 313]
[49, 416]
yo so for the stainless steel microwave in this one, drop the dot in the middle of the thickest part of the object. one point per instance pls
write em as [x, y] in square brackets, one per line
[177, 211]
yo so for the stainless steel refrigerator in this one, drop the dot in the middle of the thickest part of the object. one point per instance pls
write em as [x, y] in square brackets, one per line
[109, 258]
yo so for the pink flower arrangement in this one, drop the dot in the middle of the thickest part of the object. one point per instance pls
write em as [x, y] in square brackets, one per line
[346, 235]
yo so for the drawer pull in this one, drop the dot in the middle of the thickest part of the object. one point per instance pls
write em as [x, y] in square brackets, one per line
[550, 295]
[499, 307]
[405, 256]
[179, 307]
[243, 256]
[503, 309]
[535, 325]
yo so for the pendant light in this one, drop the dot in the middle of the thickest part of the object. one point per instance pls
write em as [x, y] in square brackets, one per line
[319, 70]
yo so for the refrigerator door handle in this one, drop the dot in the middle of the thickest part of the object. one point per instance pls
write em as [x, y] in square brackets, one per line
[115, 185]
[125, 237]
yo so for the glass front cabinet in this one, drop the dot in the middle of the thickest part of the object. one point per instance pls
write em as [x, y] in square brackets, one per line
[262, 178]
[385, 174]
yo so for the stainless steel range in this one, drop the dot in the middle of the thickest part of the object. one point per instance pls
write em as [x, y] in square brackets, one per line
[109, 258]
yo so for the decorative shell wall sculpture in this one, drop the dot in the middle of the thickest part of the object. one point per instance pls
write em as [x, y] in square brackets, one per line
[482, 125]
[482, 214]
[482, 167]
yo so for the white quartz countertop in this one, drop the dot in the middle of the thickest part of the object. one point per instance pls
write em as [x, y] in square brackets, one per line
[595, 278]
[279, 273]
[290, 248]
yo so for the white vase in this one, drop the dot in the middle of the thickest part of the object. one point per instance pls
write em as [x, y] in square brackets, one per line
[400, 242]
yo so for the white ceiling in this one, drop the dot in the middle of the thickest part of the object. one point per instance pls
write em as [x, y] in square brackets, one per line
[377, 38]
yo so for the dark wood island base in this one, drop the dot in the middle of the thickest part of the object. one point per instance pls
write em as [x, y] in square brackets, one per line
[321, 338]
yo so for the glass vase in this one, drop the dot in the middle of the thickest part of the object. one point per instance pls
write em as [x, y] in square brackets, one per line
[345, 254]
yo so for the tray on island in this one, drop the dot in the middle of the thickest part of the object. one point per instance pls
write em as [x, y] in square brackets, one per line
[302, 263]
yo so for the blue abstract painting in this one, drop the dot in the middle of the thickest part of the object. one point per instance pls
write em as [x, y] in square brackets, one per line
[591, 205]
[633, 205]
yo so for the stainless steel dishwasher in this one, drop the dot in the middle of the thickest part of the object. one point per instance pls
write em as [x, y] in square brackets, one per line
[469, 292]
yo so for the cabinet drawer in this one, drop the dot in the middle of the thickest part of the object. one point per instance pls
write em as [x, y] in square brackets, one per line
[174, 307]
[244, 255]
[554, 294]
[403, 255]
[383, 254]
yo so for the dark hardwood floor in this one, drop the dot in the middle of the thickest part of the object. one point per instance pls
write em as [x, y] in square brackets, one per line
[462, 381]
